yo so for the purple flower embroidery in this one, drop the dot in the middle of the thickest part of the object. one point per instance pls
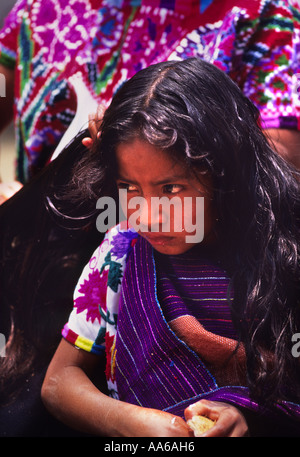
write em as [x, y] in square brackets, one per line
[122, 243]
[94, 295]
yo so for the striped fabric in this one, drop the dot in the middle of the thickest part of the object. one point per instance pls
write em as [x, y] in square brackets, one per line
[151, 363]
[188, 286]
[154, 368]
[81, 342]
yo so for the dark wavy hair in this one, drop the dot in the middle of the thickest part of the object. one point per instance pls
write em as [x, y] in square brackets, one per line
[42, 254]
[194, 111]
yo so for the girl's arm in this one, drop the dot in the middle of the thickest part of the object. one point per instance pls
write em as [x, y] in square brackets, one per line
[72, 398]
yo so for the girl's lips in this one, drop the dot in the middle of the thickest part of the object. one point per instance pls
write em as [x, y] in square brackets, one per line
[157, 239]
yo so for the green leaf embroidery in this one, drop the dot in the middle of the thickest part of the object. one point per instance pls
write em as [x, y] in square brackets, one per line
[114, 274]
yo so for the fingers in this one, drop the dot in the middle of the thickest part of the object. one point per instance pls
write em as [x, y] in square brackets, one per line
[230, 422]
[201, 408]
[100, 111]
[7, 190]
[95, 121]
[94, 124]
[87, 142]
[93, 129]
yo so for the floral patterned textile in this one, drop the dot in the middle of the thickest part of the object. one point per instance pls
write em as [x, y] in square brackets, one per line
[106, 41]
[92, 324]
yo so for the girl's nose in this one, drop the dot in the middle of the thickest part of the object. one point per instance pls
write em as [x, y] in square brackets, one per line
[151, 216]
[148, 217]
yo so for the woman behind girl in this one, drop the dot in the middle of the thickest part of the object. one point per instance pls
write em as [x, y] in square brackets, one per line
[187, 328]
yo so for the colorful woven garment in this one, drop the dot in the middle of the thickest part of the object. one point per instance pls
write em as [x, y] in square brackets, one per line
[120, 306]
[107, 41]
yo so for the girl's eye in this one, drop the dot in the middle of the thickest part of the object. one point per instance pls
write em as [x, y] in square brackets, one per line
[172, 188]
[126, 186]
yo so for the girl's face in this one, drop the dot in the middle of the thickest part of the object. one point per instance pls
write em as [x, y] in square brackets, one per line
[148, 179]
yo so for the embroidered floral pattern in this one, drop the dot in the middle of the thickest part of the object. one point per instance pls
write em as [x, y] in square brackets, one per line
[122, 243]
[93, 296]
[96, 299]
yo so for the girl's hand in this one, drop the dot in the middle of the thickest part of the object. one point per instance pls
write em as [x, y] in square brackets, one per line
[94, 120]
[229, 420]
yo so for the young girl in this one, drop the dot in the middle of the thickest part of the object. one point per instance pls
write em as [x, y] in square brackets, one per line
[188, 326]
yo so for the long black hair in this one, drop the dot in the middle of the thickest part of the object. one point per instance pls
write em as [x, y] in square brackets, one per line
[193, 110]
[42, 254]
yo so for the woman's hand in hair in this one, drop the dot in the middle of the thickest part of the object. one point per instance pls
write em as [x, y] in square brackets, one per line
[94, 122]
[229, 421]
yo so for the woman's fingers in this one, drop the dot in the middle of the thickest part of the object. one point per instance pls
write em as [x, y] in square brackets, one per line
[94, 124]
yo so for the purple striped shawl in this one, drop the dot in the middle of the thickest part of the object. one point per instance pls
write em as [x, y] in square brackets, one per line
[154, 368]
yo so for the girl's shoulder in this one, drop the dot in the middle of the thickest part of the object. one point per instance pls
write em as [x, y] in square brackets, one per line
[102, 276]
